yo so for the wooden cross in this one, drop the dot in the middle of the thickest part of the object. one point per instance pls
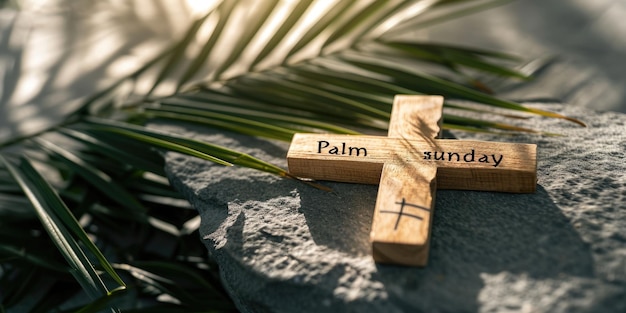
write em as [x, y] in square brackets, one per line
[410, 164]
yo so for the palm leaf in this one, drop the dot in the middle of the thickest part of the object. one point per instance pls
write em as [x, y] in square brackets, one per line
[360, 20]
[285, 27]
[100, 144]
[97, 178]
[175, 53]
[12, 251]
[213, 153]
[332, 15]
[223, 12]
[101, 303]
[61, 225]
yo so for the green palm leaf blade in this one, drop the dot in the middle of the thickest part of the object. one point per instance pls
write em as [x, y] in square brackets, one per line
[95, 177]
[444, 48]
[176, 53]
[20, 287]
[350, 25]
[483, 111]
[174, 271]
[331, 16]
[279, 35]
[152, 275]
[61, 224]
[300, 96]
[461, 11]
[363, 90]
[32, 257]
[101, 101]
[100, 145]
[433, 85]
[252, 110]
[369, 88]
[319, 95]
[295, 99]
[395, 15]
[102, 302]
[220, 120]
[322, 70]
[358, 86]
[148, 137]
[7, 184]
[13, 207]
[383, 105]
[213, 153]
[449, 56]
[459, 121]
[223, 11]
[148, 184]
[250, 29]
[292, 116]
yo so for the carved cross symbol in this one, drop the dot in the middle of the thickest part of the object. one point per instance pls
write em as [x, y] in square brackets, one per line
[409, 164]
[402, 213]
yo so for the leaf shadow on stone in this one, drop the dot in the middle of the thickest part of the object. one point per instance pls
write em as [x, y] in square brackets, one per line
[477, 233]
[340, 220]
[473, 233]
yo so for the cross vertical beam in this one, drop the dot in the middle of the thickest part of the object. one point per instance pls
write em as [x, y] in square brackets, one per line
[406, 193]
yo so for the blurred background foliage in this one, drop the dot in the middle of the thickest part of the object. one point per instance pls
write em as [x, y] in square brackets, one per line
[88, 220]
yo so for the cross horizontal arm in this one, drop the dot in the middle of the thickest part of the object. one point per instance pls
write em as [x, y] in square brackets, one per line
[467, 165]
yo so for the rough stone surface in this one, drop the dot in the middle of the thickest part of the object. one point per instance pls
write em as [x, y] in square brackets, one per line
[286, 247]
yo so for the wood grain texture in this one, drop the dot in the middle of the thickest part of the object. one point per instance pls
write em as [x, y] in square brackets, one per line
[416, 117]
[405, 204]
[409, 165]
[403, 214]
[516, 171]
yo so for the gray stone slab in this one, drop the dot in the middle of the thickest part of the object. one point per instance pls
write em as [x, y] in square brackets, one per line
[286, 247]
